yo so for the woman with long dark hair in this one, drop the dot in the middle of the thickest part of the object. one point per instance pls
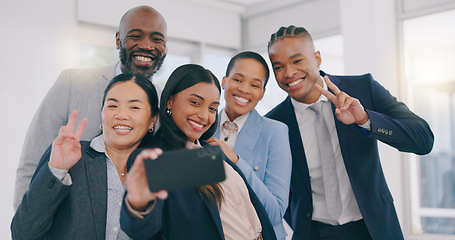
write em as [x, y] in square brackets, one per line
[227, 210]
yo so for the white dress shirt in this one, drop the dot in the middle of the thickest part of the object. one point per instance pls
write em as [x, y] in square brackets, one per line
[306, 120]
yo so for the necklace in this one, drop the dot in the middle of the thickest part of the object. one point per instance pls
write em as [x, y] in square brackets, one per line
[230, 127]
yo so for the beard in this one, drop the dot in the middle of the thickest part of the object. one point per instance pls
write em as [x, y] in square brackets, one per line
[147, 72]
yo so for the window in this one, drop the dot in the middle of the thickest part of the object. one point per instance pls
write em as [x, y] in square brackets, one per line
[429, 54]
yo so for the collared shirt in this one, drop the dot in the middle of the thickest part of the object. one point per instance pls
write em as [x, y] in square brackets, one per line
[306, 120]
[115, 191]
[238, 215]
[232, 136]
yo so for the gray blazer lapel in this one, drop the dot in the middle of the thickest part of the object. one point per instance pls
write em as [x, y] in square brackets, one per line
[248, 135]
[96, 170]
[108, 73]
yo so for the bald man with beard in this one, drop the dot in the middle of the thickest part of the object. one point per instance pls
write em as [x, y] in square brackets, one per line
[141, 40]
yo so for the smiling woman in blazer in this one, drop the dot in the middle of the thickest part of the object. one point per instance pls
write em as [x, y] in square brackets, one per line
[226, 210]
[258, 146]
[77, 189]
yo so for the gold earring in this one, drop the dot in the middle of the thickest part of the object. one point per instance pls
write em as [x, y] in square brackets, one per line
[101, 127]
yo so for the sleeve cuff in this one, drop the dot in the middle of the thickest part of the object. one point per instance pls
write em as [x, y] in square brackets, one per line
[139, 214]
[61, 175]
[366, 126]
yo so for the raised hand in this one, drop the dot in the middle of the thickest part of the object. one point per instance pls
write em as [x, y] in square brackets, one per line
[66, 148]
[348, 109]
[226, 149]
[139, 194]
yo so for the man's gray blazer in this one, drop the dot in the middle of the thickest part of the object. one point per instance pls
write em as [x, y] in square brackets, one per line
[80, 89]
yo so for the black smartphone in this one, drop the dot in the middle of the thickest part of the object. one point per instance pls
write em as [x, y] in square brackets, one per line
[181, 169]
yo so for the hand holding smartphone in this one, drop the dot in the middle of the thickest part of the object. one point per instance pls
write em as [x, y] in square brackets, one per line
[181, 169]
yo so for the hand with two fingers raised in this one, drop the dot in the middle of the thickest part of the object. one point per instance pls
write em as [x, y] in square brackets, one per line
[66, 148]
[348, 110]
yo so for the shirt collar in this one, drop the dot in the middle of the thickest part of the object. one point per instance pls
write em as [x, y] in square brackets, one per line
[98, 144]
[240, 120]
[301, 107]
[192, 145]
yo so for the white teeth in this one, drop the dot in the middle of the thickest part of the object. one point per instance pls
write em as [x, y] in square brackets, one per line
[241, 99]
[196, 124]
[123, 128]
[143, 59]
[295, 83]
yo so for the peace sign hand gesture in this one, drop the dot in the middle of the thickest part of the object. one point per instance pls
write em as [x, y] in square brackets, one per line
[66, 148]
[348, 109]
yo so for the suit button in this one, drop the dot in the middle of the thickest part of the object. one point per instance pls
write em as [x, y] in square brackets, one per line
[308, 214]
[51, 184]
[390, 132]
[256, 168]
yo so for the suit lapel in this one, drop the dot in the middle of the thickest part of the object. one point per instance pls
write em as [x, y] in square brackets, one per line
[108, 74]
[297, 150]
[214, 212]
[96, 170]
[248, 135]
[213, 209]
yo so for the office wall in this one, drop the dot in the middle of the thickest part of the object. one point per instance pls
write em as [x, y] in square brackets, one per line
[321, 18]
[35, 44]
[187, 20]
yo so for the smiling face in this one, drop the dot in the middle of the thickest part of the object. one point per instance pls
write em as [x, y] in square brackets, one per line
[243, 88]
[295, 64]
[142, 41]
[194, 109]
[126, 116]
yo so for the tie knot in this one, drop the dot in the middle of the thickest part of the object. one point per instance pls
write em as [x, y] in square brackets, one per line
[230, 126]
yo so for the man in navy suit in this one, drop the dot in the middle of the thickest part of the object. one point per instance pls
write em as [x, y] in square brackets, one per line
[352, 201]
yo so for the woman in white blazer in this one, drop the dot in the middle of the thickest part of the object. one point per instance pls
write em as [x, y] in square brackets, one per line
[258, 145]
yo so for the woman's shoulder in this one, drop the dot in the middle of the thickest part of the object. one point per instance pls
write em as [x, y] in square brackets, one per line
[273, 125]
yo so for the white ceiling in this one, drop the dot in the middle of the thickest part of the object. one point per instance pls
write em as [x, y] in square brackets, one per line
[247, 7]
[246, 2]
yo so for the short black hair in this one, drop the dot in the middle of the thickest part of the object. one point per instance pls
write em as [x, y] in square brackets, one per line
[290, 31]
[249, 55]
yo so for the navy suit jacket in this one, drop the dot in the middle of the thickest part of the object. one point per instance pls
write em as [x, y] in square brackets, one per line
[187, 215]
[391, 122]
[51, 210]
